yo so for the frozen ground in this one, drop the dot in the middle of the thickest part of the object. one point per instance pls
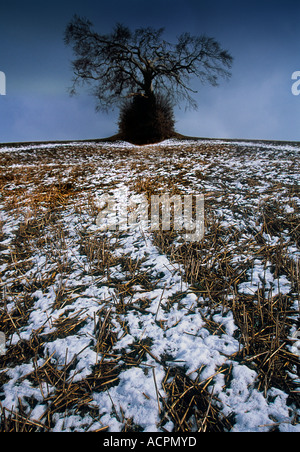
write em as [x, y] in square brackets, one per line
[135, 330]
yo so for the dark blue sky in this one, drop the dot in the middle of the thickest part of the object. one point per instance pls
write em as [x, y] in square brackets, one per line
[263, 37]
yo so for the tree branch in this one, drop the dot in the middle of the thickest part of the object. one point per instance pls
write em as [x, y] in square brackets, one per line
[125, 62]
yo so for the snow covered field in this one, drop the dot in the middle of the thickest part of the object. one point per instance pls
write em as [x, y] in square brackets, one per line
[138, 330]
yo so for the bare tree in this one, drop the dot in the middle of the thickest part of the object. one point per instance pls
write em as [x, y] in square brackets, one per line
[126, 63]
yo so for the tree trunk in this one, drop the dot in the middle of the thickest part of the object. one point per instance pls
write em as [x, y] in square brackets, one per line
[148, 86]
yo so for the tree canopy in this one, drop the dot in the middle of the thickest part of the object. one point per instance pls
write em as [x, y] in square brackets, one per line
[128, 63]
